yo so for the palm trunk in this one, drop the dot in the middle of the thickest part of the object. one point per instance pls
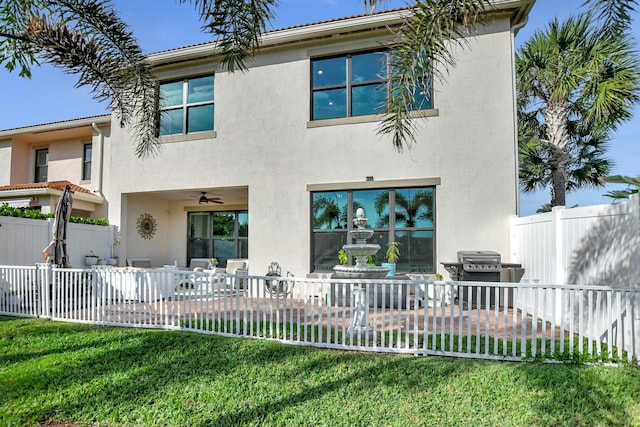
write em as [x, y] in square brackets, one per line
[558, 137]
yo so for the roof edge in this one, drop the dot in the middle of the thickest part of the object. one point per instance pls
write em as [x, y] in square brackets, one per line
[53, 126]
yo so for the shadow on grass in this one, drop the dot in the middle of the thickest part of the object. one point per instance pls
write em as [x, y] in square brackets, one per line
[53, 371]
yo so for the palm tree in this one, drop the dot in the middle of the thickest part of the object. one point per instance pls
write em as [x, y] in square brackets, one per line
[579, 82]
[325, 212]
[408, 210]
[587, 148]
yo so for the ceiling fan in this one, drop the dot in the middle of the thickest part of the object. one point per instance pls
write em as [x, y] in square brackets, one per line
[203, 200]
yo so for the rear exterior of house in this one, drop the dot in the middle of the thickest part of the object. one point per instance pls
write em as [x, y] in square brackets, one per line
[291, 149]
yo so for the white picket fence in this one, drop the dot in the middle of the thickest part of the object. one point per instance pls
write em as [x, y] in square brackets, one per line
[462, 319]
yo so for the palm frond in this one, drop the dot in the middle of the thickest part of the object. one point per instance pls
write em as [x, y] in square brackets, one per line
[424, 51]
[237, 24]
[614, 14]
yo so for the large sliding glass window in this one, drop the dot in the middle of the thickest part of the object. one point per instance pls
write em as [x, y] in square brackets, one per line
[223, 235]
[187, 106]
[404, 215]
[355, 85]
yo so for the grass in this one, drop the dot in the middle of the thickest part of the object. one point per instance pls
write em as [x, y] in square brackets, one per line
[53, 372]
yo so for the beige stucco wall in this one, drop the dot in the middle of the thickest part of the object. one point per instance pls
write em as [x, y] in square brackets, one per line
[263, 142]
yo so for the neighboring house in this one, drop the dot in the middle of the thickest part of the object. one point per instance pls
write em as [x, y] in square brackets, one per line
[38, 161]
[291, 149]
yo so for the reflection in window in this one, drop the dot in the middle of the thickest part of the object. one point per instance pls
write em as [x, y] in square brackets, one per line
[330, 210]
[222, 235]
[404, 215]
[187, 106]
[355, 85]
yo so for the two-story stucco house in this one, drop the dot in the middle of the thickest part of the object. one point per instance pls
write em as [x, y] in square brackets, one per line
[286, 152]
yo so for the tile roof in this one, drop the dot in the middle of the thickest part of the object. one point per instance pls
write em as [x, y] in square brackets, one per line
[310, 24]
[68, 121]
[56, 185]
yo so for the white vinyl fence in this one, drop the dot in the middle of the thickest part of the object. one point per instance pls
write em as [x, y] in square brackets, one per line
[22, 240]
[592, 245]
[462, 319]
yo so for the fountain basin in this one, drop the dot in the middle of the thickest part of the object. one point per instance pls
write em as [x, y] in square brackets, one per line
[361, 249]
[354, 272]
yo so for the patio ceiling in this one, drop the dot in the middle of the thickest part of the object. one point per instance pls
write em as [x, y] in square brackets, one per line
[232, 197]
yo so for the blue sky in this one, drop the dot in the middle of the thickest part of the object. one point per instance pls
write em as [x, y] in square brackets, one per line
[164, 24]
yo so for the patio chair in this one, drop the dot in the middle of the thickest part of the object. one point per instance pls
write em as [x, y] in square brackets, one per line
[235, 267]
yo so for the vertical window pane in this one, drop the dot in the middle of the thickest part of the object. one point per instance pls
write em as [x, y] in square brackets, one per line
[416, 251]
[414, 208]
[200, 118]
[376, 207]
[86, 165]
[243, 224]
[42, 165]
[325, 249]
[223, 224]
[171, 122]
[199, 248]
[422, 98]
[223, 249]
[200, 89]
[171, 93]
[368, 67]
[330, 210]
[329, 104]
[329, 72]
[199, 224]
[368, 99]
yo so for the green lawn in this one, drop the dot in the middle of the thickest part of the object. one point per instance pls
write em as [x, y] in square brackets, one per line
[53, 372]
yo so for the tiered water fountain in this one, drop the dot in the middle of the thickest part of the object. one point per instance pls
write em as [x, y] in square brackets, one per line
[360, 250]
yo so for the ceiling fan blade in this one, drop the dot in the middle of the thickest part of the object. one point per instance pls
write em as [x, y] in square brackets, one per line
[218, 201]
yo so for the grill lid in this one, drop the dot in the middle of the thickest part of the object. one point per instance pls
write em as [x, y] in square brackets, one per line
[479, 260]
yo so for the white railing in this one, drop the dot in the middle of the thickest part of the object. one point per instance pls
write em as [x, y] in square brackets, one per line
[464, 319]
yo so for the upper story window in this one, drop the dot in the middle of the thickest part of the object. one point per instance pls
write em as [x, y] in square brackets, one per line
[86, 162]
[42, 165]
[187, 106]
[355, 85]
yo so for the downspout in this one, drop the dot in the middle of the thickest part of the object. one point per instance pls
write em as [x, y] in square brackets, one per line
[514, 29]
[98, 190]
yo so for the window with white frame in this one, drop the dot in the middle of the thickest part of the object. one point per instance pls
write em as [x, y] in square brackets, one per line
[356, 84]
[86, 161]
[186, 106]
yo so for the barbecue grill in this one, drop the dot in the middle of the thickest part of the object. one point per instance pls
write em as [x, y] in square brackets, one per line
[483, 266]
[475, 266]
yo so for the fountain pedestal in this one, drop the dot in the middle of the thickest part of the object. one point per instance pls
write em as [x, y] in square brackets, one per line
[360, 250]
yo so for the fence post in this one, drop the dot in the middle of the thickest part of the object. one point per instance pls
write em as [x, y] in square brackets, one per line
[559, 268]
[44, 275]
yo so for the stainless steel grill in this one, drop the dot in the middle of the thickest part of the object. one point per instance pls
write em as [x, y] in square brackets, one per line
[479, 261]
[477, 266]
[484, 266]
